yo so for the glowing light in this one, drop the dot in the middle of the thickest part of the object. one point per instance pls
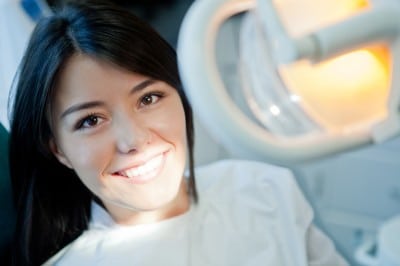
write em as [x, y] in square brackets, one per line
[303, 16]
[275, 110]
[350, 89]
[295, 98]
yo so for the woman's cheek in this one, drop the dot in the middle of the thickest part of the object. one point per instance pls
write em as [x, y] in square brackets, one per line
[90, 156]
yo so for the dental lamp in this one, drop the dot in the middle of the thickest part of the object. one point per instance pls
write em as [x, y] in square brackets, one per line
[316, 83]
[304, 79]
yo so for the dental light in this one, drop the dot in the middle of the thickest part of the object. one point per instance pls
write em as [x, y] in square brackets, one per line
[317, 77]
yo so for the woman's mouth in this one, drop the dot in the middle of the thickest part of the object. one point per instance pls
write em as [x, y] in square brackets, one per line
[144, 172]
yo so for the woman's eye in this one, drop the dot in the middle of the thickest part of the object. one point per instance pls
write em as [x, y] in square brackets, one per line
[149, 99]
[88, 122]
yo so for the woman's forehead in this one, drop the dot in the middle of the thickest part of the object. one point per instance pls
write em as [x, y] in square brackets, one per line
[81, 74]
[84, 79]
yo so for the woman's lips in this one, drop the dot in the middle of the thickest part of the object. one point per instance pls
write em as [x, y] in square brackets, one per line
[144, 172]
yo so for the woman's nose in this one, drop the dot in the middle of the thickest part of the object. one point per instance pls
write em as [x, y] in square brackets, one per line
[131, 135]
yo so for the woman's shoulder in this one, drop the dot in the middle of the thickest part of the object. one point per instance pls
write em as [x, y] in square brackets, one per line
[239, 173]
[252, 185]
[252, 207]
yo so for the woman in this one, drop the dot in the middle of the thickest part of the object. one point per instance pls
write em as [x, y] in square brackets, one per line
[100, 133]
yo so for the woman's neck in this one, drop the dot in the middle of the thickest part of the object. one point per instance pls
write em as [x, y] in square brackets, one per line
[179, 205]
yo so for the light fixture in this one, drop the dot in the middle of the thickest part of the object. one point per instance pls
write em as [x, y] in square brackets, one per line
[317, 77]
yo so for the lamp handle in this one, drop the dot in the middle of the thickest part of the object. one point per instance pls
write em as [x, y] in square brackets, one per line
[380, 23]
[371, 26]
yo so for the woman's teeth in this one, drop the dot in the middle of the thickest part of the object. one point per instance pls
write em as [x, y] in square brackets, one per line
[144, 169]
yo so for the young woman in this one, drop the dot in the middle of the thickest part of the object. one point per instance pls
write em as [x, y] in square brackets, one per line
[100, 134]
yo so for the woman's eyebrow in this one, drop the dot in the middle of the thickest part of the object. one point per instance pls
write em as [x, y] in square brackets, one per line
[81, 106]
[142, 85]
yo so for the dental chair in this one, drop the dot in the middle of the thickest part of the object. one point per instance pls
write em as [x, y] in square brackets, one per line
[7, 214]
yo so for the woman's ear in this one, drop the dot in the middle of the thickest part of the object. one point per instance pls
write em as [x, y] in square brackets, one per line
[58, 153]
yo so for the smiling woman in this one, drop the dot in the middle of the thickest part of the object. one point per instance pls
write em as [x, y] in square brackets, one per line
[101, 130]
[99, 114]
[127, 144]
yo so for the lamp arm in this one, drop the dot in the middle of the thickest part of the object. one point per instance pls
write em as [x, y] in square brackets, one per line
[377, 25]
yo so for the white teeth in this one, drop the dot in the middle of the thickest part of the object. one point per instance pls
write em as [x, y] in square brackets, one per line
[143, 169]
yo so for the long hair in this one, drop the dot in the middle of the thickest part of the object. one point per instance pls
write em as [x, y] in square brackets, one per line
[53, 205]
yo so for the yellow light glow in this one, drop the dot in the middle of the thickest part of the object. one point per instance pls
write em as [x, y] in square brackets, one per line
[351, 89]
[303, 16]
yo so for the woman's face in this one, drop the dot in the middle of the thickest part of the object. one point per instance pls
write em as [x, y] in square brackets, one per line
[123, 134]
